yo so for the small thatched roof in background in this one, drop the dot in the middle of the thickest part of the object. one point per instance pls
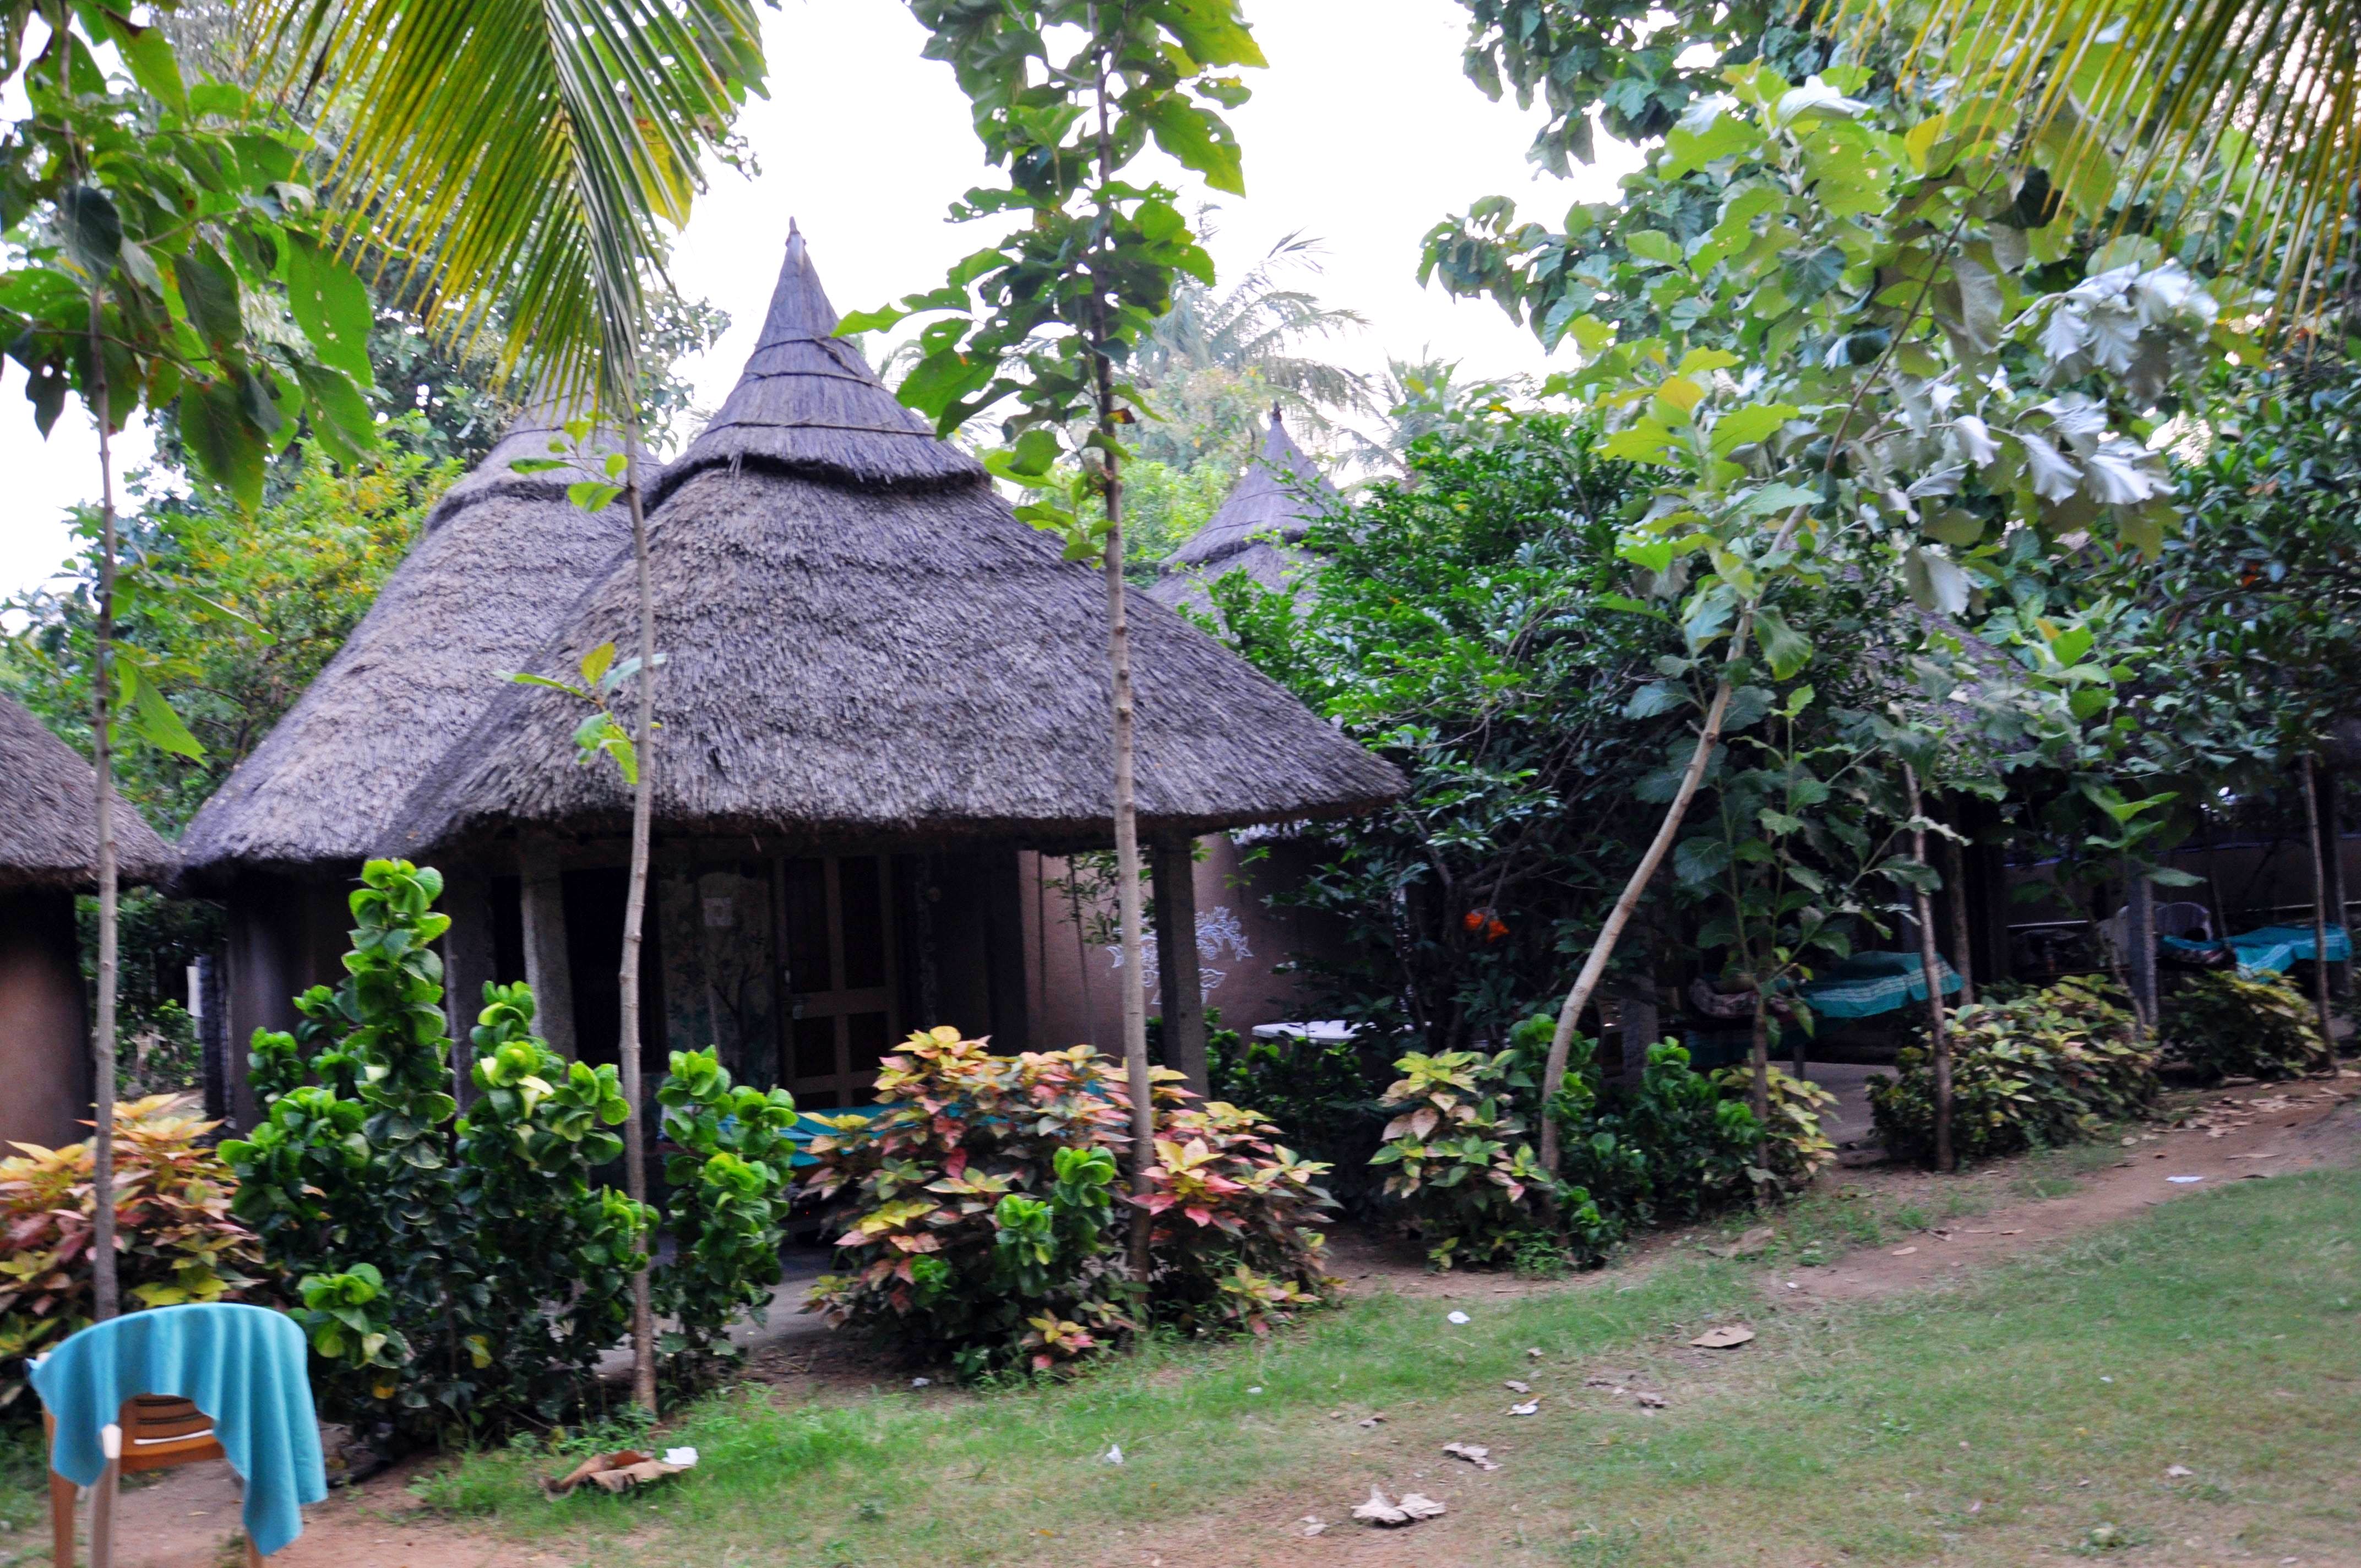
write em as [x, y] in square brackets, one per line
[505, 554]
[1282, 494]
[864, 645]
[49, 831]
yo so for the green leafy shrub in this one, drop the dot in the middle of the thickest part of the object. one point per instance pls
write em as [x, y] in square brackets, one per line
[2217, 1025]
[1798, 1150]
[1322, 1094]
[1662, 1150]
[2043, 1069]
[461, 1274]
[981, 1214]
[729, 1169]
[176, 1239]
[1457, 1157]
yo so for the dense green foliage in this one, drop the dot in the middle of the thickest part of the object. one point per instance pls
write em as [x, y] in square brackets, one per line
[2217, 1024]
[1670, 1145]
[176, 1239]
[233, 615]
[1470, 624]
[461, 1272]
[2037, 1070]
[977, 1217]
[729, 1169]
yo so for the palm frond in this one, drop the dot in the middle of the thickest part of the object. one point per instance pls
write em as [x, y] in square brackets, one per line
[521, 157]
[2248, 111]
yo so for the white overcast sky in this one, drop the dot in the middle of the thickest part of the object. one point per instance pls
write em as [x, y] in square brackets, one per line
[1361, 133]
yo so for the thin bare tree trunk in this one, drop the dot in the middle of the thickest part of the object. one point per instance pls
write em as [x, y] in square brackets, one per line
[1955, 882]
[1126, 858]
[636, 908]
[1758, 1057]
[1602, 951]
[105, 1300]
[2319, 916]
[1127, 805]
[1938, 1035]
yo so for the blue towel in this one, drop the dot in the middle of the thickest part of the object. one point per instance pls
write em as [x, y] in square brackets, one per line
[243, 1366]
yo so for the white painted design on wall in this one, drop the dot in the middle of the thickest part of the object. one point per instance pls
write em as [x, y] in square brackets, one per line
[1220, 939]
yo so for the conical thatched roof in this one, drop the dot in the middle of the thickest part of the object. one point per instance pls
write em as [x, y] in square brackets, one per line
[1274, 506]
[504, 556]
[863, 645]
[49, 834]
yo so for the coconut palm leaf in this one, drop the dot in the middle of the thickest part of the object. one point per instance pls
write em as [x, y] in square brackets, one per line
[2251, 109]
[519, 157]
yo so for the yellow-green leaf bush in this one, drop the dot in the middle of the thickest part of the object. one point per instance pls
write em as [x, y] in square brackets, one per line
[176, 1239]
[2217, 1025]
[979, 1217]
[2043, 1069]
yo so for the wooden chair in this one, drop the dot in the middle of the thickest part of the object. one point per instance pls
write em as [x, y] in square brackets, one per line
[153, 1433]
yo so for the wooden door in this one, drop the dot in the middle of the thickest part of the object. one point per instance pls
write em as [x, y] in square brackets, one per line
[840, 979]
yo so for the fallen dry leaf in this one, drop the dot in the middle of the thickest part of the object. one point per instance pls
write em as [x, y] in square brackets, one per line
[1476, 1453]
[2178, 1471]
[1514, 1387]
[1535, 1353]
[1904, 1250]
[617, 1472]
[1746, 1245]
[1380, 1510]
[1652, 1401]
[1723, 1338]
[1372, 1420]
[1418, 1506]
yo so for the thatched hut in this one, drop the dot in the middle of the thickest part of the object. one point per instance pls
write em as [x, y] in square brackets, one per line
[48, 852]
[880, 686]
[1255, 531]
[504, 554]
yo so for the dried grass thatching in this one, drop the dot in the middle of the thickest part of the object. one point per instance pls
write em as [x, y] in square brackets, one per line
[505, 555]
[49, 833]
[863, 645]
[1257, 529]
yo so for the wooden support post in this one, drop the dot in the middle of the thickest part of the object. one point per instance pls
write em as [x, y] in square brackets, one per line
[468, 963]
[2139, 938]
[2340, 975]
[548, 967]
[2319, 916]
[1178, 977]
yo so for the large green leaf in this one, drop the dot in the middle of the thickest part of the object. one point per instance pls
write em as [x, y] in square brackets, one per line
[2254, 104]
[332, 305]
[527, 152]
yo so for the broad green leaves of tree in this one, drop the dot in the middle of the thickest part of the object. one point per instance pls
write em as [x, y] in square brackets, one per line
[1094, 260]
[185, 212]
[527, 155]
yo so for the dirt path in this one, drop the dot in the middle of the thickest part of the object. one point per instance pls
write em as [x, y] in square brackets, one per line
[187, 1518]
[2246, 1134]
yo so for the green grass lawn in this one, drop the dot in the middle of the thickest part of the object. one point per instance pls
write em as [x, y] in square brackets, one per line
[2033, 1411]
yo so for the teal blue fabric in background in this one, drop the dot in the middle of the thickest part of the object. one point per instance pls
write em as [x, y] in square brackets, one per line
[243, 1366]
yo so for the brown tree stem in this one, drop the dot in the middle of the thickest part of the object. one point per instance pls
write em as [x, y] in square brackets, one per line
[1955, 882]
[2319, 918]
[105, 1298]
[1594, 968]
[1127, 805]
[635, 906]
[1931, 969]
